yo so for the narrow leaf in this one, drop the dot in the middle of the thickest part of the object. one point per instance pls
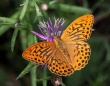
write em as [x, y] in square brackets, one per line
[23, 39]
[26, 70]
[37, 10]
[44, 78]
[24, 10]
[69, 8]
[30, 39]
[4, 20]
[14, 39]
[3, 29]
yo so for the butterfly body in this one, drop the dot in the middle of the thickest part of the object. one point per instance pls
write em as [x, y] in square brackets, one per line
[66, 54]
[60, 44]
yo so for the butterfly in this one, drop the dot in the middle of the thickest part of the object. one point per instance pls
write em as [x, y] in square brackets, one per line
[66, 54]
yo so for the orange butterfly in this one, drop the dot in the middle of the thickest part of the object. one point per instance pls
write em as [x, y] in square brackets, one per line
[65, 54]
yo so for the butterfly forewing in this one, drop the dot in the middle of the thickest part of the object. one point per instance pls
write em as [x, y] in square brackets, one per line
[80, 29]
[40, 52]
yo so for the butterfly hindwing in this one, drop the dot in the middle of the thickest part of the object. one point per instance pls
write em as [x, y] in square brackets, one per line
[59, 66]
[83, 55]
[79, 53]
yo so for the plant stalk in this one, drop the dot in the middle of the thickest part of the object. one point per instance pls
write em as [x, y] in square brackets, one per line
[33, 76]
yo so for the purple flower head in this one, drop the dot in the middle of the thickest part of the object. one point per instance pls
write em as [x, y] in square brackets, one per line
[49, 30]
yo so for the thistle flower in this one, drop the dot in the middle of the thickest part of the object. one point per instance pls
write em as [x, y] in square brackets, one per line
[49, 30]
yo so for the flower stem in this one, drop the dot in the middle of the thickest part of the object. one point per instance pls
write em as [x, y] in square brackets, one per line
[33, 76]
[44, 76]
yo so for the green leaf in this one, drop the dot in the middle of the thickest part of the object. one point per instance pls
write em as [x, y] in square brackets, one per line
[53, 2]
[39, 14]
[27, 69]
[23, 39]
[44, 78]
[74, 9]
[30, 39]
[37, 10]
[70, 8]
[35, 39]
[3, 29]
[14, 38]
[24, 10]
[5, 24]
[4, 20]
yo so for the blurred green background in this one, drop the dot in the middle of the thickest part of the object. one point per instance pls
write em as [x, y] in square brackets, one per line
[18, 20]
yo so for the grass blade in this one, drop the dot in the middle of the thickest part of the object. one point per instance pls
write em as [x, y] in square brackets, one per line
[26, 70]
[14, 39]
[24, 10]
